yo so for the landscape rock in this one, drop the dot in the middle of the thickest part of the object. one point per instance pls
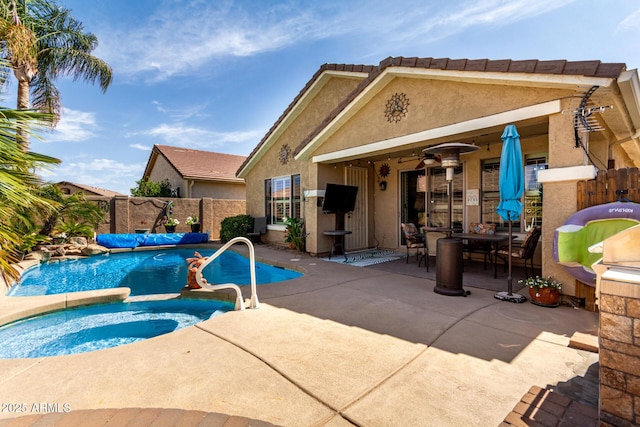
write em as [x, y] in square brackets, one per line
[93, 249]
[79, 241]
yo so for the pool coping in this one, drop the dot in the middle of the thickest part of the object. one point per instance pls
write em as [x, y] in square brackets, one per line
[18, 307]
[22, 307]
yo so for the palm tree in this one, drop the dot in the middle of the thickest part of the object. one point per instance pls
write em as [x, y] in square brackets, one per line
[17, 184]
[43, 42]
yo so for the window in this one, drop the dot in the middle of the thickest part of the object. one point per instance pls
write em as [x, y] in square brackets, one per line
[532, 204]
[439, 199]
[282, 197]
[491, 192]
[533, 191]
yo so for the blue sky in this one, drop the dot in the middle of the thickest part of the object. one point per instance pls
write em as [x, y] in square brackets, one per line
[215, 75]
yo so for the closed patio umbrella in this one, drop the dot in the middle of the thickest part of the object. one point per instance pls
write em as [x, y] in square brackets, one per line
[511, 188]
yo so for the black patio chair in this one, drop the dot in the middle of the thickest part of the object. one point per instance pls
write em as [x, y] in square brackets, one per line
[524, 252]
[259, 228]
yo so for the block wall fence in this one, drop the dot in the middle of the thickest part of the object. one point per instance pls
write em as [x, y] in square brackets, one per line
[125, 214]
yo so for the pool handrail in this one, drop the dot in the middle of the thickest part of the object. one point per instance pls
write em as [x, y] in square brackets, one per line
[254, 303]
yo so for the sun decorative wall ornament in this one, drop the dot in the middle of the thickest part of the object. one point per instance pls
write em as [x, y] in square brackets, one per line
[384, 170]
[397, 107]
[285, 152]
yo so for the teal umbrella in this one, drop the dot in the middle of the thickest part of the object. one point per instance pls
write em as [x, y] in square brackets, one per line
[511, 188]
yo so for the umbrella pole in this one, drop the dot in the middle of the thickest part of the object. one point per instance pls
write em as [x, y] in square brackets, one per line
[509, 295]
[509, 277]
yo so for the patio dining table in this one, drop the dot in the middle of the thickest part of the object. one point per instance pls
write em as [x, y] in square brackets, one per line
[493, 241]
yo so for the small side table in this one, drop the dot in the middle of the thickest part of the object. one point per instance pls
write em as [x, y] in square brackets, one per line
[338, 241]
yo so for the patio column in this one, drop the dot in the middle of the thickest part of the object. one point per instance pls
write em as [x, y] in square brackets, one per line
[560, 191]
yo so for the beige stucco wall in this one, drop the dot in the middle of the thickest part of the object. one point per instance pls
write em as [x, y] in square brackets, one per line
[162, 170]
[432, 104]
[270, 165]
[216, 190]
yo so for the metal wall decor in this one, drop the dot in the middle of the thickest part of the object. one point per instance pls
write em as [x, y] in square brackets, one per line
[285, 152]
[397, 107]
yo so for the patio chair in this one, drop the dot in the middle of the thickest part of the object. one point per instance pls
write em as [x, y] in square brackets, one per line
[259, 228]
[476, 246]
[431, 245]
[414, 240]
[524, 252]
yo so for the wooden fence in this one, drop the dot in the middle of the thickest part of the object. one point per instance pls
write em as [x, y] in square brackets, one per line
[608, 186]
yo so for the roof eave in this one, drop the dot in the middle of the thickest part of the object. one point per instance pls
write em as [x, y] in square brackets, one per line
[318, 82]
[221, 180]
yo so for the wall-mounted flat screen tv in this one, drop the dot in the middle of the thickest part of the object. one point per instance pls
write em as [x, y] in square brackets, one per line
[339, 198]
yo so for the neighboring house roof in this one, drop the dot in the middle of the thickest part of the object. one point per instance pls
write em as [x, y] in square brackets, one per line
[90, 190]
[198, 164]
[530, 68]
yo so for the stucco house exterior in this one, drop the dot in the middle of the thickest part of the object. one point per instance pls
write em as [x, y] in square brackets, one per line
[364, 124]
[196, 173]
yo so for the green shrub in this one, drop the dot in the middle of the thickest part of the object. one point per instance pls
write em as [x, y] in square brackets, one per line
[295, 235]
[235, 226]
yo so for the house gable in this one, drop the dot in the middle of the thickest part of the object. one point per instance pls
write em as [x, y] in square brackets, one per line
[325, 78]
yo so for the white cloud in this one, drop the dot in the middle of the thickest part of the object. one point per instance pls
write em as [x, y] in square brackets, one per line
[177, 39]
[74, 126]
[141, 147]
[182, 113]
[198, 138]
[433, 25]
[631, 22]
[190, 37]
[98, 172]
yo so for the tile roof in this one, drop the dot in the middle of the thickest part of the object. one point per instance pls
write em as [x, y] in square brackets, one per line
[533, 66]
[202, 165]
[88, 188]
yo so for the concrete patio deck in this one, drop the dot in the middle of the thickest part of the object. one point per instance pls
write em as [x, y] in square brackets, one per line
[340, 346]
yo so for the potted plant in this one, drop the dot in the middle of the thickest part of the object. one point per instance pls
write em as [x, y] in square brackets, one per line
[194, 223]
[543, 291]
[170, 225]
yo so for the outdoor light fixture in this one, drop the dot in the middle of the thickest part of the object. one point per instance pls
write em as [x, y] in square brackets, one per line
[429, 161]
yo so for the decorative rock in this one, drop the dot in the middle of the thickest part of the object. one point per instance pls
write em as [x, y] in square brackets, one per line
[93, 249]
[59, 251]
[73, 251]
[40, 256]
[78, 241]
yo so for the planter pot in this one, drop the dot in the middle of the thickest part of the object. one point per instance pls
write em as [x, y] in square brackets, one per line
[143, 230]
[545, 297]
[170, 228]
[195, 228]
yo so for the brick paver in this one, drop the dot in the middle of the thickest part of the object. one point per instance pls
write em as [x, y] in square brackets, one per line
[540, 407]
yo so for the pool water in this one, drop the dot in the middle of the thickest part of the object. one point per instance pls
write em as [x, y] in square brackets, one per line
[145, 272]
[96, 327]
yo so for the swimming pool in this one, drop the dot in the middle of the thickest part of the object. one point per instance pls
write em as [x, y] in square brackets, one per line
[144, 272]
[100, 326]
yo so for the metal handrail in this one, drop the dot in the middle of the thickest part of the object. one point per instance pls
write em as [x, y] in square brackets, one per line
[252, 266]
